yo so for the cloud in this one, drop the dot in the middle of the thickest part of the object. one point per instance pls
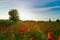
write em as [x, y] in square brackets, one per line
[41, 3]
[55, 3]
[0, 0]
[38, 10]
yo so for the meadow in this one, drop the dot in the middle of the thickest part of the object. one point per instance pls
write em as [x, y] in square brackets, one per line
[29, 30]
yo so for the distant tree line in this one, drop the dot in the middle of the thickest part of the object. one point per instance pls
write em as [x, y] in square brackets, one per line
[56, 20]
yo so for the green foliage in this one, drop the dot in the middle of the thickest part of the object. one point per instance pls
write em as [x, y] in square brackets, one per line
[7, 23]
[37, 35]
[14, 16]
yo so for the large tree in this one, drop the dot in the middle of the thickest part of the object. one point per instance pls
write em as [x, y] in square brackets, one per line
[14, 15]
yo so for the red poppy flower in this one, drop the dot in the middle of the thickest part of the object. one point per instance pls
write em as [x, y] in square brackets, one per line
[21, 30]
[50, 36]
[4, 33]
[58, 37]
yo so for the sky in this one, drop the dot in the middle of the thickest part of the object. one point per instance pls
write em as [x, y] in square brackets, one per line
[31, 9]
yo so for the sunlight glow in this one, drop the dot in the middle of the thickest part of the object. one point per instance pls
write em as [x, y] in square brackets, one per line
[25, 15]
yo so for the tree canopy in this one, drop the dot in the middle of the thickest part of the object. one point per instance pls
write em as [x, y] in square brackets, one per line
[14, 15]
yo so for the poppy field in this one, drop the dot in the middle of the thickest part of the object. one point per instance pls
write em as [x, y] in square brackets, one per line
[29, 30]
